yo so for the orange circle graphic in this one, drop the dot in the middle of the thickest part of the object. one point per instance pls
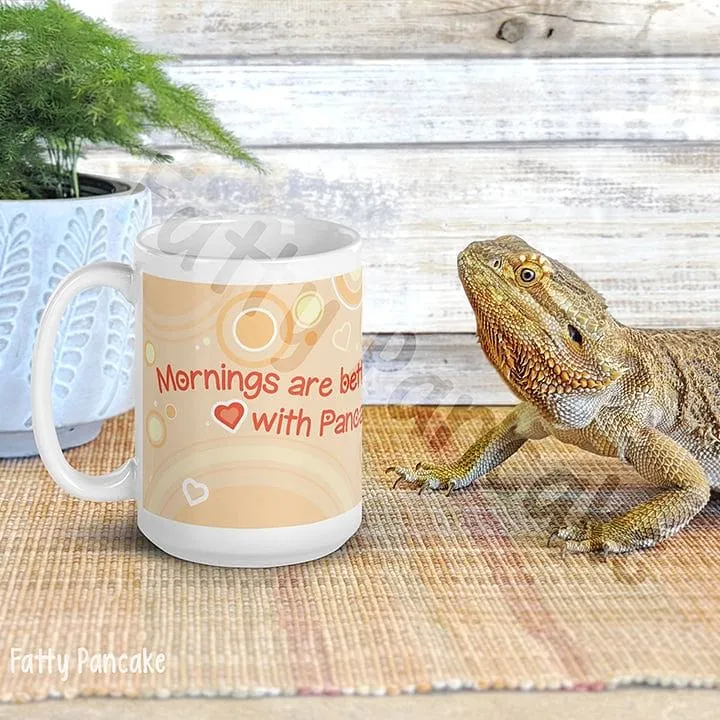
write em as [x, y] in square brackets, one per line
[255, 329]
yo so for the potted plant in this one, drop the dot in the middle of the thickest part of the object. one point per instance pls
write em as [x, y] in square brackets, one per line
[67, 82]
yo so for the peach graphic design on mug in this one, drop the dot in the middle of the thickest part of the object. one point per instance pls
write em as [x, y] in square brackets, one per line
[251, 400]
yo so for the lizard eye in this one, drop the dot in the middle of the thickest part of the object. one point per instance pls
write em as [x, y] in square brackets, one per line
[528, 274]
[575, 334]
[495, 263]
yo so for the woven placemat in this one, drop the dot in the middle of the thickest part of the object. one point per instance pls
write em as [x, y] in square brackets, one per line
[432, 593]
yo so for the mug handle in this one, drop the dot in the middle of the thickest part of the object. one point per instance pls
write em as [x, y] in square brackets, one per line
[118, 484]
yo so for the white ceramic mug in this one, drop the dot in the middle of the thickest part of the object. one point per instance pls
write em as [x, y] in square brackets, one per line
[249, 388]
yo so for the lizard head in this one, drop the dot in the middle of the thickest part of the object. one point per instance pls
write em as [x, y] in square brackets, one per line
[547, 332]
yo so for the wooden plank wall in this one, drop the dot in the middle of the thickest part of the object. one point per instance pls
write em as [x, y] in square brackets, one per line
[591, 128]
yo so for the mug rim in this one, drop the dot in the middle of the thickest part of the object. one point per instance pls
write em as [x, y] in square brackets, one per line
[146, 239]
[224, 269]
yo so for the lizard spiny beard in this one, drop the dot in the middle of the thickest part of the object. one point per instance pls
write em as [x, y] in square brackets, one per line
[531, 371]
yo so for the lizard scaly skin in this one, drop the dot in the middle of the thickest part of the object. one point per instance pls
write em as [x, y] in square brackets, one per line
[648, 397]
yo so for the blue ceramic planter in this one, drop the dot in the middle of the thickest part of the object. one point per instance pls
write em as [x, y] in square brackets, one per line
[41, 241]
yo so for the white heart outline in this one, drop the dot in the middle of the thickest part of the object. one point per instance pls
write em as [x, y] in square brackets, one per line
[339, 331]
[191, 483]
[225, 404]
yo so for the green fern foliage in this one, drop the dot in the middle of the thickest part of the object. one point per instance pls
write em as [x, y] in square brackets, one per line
[67, 81]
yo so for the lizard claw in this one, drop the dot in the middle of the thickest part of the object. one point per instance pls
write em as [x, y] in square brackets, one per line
[570, 539]
[554, 535]
[589, 537]
[424, 476]
[401, 474]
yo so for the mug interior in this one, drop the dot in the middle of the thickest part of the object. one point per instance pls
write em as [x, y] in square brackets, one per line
[257, 237]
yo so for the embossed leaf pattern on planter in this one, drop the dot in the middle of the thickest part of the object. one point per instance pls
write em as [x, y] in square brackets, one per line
[15, 276]
[118, 357]
[84, 242]
[54, 239]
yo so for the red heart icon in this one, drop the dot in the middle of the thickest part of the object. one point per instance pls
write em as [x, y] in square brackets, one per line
[230, 415]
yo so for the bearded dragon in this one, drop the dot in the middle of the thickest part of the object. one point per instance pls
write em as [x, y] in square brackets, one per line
[650, 398]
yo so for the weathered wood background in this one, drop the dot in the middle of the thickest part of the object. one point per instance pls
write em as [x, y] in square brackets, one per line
[591, 128]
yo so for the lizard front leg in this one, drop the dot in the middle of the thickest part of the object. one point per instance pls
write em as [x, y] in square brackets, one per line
[496, 446]
[686, 490]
